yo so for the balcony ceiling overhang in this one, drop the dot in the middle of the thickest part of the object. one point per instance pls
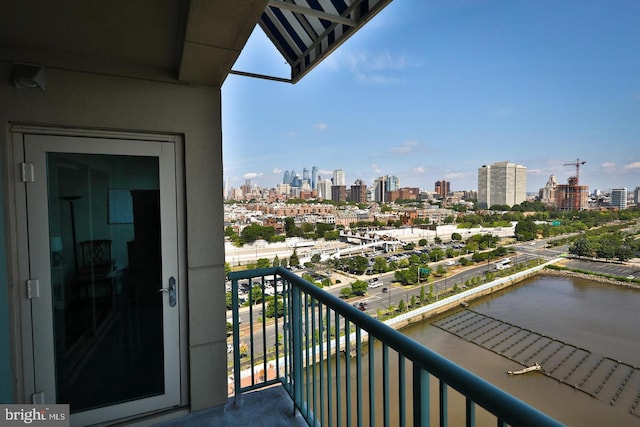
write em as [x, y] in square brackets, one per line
[307, 31]
[192, 41]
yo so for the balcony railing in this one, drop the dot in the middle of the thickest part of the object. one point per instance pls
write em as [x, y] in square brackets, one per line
[342, 367]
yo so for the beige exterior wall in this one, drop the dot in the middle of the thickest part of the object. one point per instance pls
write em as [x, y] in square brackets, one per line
[93, 101]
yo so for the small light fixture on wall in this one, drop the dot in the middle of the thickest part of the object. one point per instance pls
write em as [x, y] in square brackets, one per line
[28, 76]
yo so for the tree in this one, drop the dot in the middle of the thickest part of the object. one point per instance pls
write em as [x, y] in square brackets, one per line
[401, 306]
[315, 258]
[380, 265]
[276, 261]
[263, 263]
[294, 261]
[526, 230]
[275, 307]
[290, 228]
[345, 292]
[422, 242]
[229, 300]
[456, 236]
[437, 240]
[253, 232]
[423, 296]
[359, 287]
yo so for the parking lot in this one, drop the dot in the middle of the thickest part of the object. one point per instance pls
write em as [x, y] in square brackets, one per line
[611, 268]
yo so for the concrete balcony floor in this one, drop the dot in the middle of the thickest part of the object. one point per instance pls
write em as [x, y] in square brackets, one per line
[270, 406]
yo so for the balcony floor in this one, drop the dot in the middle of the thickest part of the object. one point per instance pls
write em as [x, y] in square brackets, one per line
[270, 406]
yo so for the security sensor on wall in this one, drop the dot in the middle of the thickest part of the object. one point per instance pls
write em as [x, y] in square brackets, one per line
[28, 76]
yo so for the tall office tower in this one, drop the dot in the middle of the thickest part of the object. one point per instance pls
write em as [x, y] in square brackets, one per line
[305, 175]
[358, 192]
[501, 183]
[286, 179]
[292, 176]
[380, 189]
[296, 181]
[442, 188]
[619, 198]
[393, 183]
[383, 186]
[636, 196]
[246, 188]
[339, 177]
[324, 189]
[314, 177]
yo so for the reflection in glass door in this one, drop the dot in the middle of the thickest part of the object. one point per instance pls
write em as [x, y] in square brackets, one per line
[102, 227]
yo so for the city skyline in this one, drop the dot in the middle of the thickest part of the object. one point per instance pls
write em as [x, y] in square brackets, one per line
[433, 91]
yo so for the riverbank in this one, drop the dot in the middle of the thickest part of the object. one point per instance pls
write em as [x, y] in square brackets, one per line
[465, 297]
[562, 271]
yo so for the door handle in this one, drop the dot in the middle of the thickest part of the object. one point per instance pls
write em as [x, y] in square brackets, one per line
[171, 291]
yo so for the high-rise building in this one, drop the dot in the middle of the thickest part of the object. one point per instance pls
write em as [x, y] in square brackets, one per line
[619, 198]
[393, 183]
[571, 196]
[358, 192]
[324, 189]
[286, 179]
[339, 193]
[442, 188]
[339, 177]
[636, 196]
[305, 175]
[501, 183]
[385, 185]
[314, 177]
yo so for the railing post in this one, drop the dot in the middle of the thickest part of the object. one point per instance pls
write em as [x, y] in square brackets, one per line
[237, 381]
[421, 397]
[296, 333]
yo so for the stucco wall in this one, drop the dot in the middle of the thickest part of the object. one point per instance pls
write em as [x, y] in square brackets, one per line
[84, 100]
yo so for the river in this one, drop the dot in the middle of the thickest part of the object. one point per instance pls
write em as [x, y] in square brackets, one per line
[597, 319]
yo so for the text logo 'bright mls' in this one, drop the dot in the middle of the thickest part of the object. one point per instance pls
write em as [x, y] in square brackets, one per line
[41, 415]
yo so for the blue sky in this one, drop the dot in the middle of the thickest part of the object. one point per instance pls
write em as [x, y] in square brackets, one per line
[432, 90]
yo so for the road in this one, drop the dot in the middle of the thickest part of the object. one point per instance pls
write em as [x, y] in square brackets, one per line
[376, 299]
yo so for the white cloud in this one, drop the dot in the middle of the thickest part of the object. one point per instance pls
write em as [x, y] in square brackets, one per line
[535, 171]
[320, 126]
[323, 172]
[376, 168]
[277, 170]
[291, 133]
[375, 69]
[419, 169]
[404, 148]
[634, 165]
[252, 175]
[608, 165]
[454, 175]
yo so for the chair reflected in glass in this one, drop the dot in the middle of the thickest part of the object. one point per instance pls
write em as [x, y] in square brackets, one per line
[95, 281]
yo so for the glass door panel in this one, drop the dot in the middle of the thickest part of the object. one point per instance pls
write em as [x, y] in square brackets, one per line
[104, 225]
[102, 243]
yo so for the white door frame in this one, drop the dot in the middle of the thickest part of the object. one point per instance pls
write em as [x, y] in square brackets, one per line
[33, 358]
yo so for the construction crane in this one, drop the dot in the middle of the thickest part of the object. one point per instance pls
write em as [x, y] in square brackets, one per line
[577, 164]
[574, 193]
